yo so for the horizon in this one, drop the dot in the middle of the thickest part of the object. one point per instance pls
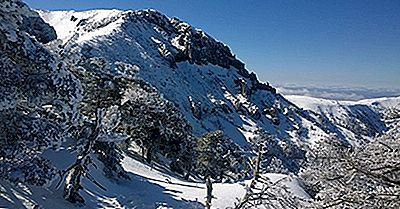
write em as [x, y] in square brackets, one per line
[336, 43]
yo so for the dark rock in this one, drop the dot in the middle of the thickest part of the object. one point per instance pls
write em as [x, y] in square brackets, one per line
[73, 18]
[196, 46]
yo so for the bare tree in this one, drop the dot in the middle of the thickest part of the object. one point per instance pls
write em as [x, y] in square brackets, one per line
[367, 176]
[263, 193]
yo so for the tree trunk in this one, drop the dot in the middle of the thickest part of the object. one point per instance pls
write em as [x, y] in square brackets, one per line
[253, 182]
[209, 192]
[149, 155]
[187, 175]
[75, 171]
[142, 147]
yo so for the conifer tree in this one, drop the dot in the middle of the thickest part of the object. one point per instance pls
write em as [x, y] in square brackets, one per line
[153, 123]
[218, 158]
[38, 96]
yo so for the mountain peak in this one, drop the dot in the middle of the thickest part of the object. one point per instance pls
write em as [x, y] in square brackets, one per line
[177, 41]
[199, 74]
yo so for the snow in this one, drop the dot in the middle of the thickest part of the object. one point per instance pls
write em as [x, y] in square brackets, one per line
[108, 35]
[313, 103]
[149, 187]
[67, 28]
[354, 120]
[384, 102]
[138, 42]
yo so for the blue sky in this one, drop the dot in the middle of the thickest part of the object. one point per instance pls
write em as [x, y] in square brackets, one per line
[324, 43]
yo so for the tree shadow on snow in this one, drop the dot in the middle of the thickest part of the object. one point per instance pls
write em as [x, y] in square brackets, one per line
[138, 192]
[10, 195]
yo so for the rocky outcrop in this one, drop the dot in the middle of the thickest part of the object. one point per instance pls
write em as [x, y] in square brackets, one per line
[197, 47]
[190, 44]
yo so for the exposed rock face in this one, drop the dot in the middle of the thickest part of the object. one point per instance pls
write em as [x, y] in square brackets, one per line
[191, 44]
[197, 47]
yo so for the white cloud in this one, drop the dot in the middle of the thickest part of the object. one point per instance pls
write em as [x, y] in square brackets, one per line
[337, 93]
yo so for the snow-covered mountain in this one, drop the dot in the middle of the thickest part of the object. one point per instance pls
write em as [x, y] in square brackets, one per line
[204, 80]
[378, 105]
[40, 95]
[361, 120]
[202, 77]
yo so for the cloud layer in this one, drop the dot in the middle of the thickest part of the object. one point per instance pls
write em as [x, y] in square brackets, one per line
[337, 93]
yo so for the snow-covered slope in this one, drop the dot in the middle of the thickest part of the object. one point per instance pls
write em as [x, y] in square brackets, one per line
[211, 88]
[388, 106]
[204, 79]
[197, 73]
[364, 118]
[149, 188]
[313, 103]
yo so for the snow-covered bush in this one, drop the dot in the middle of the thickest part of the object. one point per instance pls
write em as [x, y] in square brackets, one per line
[356, 177]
